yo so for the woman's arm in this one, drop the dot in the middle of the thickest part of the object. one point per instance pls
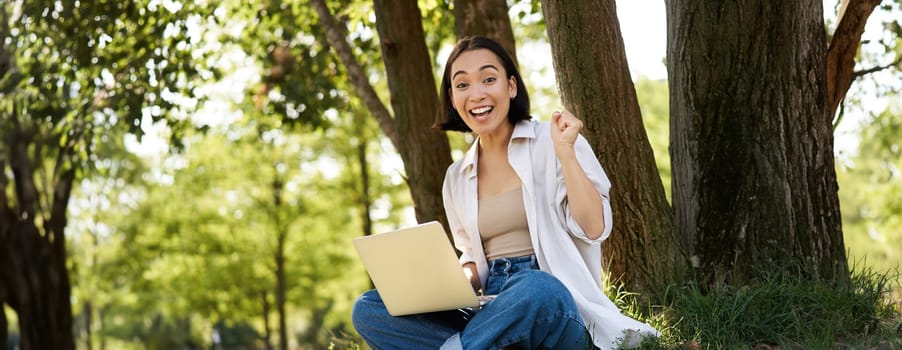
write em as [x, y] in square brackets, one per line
[586, 205]
[471, 273]
[461, 241]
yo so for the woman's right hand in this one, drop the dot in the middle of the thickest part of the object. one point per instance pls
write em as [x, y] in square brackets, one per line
[471, 273]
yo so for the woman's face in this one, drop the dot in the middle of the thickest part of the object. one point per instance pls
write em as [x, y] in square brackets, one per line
[481, 92]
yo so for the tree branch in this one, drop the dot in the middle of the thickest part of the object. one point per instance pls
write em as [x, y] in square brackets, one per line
[336, 38]
[64, 176]
[876, 69]
[841, 53]
[62, 190]
[23, 172]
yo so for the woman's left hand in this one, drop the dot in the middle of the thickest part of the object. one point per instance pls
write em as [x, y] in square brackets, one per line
[565, 128]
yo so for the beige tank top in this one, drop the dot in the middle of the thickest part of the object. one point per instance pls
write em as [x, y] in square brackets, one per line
[503, 227]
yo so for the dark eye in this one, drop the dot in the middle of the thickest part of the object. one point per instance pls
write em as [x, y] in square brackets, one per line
[490, 80]
[461, 85]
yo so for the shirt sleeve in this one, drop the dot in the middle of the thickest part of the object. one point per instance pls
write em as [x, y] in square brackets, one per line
[598, 178]
[455, 220]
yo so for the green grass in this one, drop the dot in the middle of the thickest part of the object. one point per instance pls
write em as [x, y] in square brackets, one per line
[778, 311]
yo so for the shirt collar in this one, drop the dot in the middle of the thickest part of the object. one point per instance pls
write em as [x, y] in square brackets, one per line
[523, 129]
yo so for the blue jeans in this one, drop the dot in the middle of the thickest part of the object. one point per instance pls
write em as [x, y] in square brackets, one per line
[533, 310]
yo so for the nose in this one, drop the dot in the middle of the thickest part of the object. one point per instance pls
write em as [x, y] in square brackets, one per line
[477, 93]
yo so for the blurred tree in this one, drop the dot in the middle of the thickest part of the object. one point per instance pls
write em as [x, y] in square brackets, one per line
[69, 73]
[221, 254]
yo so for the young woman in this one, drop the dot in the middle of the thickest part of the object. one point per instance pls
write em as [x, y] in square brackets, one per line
[528, 208]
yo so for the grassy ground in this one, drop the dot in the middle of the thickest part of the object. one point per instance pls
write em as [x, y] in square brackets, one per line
[779, 312]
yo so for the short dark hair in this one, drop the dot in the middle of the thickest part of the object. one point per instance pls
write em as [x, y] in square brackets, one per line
[447, 117]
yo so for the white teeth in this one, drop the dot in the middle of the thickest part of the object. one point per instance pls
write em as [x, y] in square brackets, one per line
[481, 110]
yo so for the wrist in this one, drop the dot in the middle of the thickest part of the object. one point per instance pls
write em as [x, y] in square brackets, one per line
[564, 151]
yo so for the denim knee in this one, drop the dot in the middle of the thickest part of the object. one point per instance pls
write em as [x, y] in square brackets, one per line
[546, 292]
[365, 308]
[542, 283]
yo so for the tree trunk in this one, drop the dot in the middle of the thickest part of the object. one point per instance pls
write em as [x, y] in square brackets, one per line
[366, 202]
[754, 183]
[40, 289]
[424, 150]
[281, 285]
[488, 18]
[280, 297]
[100, 313]
[267, 329]
[89, 317]
[34, 256]
[594, 80]
[4, 324]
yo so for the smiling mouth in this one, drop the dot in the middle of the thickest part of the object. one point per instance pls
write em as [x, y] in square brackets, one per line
[481, 111]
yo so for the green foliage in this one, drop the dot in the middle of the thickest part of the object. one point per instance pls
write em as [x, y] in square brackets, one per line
[198, 238]
[870, 189]
[78, 66]
[438, 25]
[302, 77]
[654, 102]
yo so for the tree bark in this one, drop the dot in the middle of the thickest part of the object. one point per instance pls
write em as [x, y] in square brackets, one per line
[754, 183]
[424, 150]
[488, 18]
[594, 79]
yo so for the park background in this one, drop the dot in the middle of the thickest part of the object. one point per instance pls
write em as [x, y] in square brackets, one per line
[223, 217]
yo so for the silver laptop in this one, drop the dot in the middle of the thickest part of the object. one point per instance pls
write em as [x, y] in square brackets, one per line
[416, 270]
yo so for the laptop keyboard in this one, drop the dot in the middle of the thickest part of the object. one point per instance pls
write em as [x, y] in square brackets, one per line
[485, 299]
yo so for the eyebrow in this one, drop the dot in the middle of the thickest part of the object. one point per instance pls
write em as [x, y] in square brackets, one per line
[480, 68]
